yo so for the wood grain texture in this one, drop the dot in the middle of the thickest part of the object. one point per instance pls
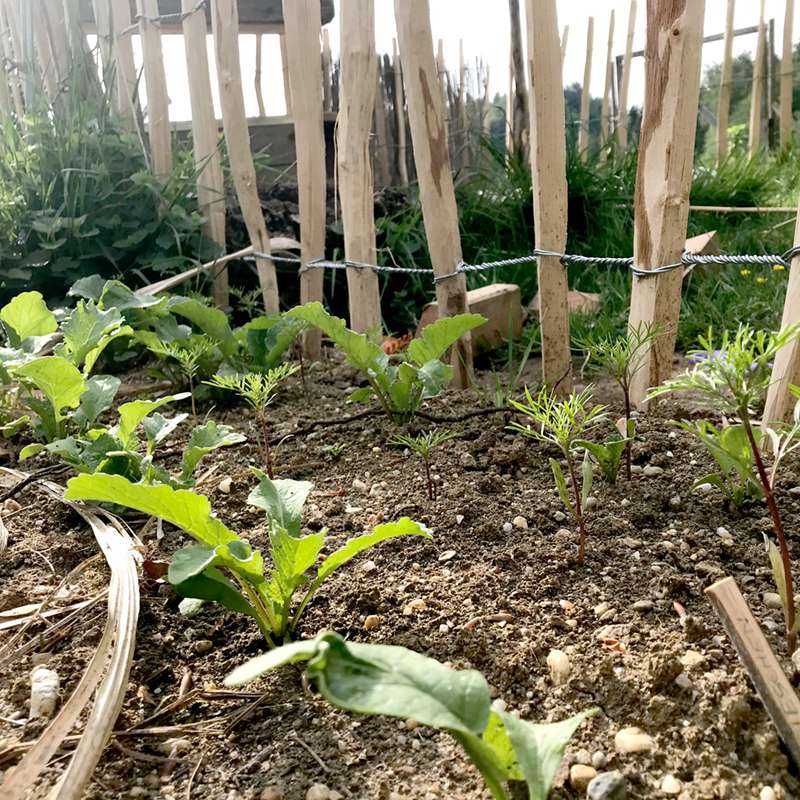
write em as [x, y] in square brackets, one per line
[625, 81]
[287, 89]
[549, 170]
[125, 67]
[664, 176]
[327, 88]
[400, 116]
[301, 20]
[757, 91]
[586, 97]
[519, 103]
[605, 120]
[787, 121]
[426, 118]
[225, 25]
[724, 103]
[383, 174]
[257, 76]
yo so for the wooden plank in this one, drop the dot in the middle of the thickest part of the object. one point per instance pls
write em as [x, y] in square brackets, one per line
[776, 693]
[664, 176]
[564, 40]
[605, 121]
[257, 77]
[400, 116]
[326, 71]
[787, 120]
[205, 139]
[586, 97]
[437, 196]
[724, 104]
[757, 92]
[520, 113]
[356, 107]
[382, 168]
[225, 25]
[463, 150]
[302, 22]
[441, 69]
[625, 82]
[549, 172]
[123, 60]
[9, 57]
[287, 90]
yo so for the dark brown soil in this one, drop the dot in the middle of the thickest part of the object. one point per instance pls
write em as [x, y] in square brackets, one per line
[650, 540]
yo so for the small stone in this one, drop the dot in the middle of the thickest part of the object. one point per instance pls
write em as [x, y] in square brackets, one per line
[583, 757]
[203, 646]
[414, 607]
[361, 487]
[636, 469]
[599, 759]
[499, 704]
[447, 555]
[559, 665]
[704, 488]
[607, 786]
[691, 659]
[670, 785]
[459, 519]
[444, 628]
[353, 509]
[592, 502]
[520, 522]
[650, 471]
[369, 566]
[175, 746]
[412, 724]
[225, 485]
[580, 776]
[468, 461]
[675, 501]
[376, 449]
[625, 502]
[45, 685]
[601, 609]
[507, 527]
[772, 600]
[318, 791]
[271, 793]
[376, 490]
[633, 740]
[767, 793]
[683, 681]
[372, 622]
[643, 606]
[796, 661]
[559, 516]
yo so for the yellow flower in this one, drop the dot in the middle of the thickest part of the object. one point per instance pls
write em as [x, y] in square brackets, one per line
[744, 272]
[761, 279]
[778, 268]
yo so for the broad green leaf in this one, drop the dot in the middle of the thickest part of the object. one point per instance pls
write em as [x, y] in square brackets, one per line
[586, 479]
[13, 428]
[239, 557]
[361, 395]
[435, 375]
[292, 557]
[105, 341]
[117, 295]
[272, 659]
[85, 327]
[205, 439]
[437, 338]
[211, 321]
[540, 748]
[31, 450]
[190, 561]
[131, 415]
[561, 484]
[157, 427]
[495, 737]
[282, 499]
[403, 389]
[186, 510]
[28, 315]
[213, 586]
[268, 338]
[97, 398]
[91, 287]
[58, 380]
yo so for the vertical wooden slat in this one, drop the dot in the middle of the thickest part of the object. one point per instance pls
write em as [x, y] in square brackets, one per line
[441, 70]
[400, 116]
[605, 121]
[52, 12]
[724, 105]
[510, 103]
[757, 93]
[787, 121]
[356, 107]
[520, 97]
[664, 176]
[586, 98]
[257, 77]
[44, 50]
[622, 121]
[429, 141]
[463, 138]
[225, 25]
[9, 57]
[205, 138]
[102, 21]
[287, 90]
[302, 20]
[549, 172]
[564, 40]
[382, 168]
[123, 59]
[326, 71]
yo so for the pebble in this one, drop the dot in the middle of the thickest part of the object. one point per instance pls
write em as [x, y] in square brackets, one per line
[650, 471]
[459, 519]
[353, 509]
[271, 793]
[225, 485]
[704, 488]
[580, 776]
[601, 609]
[636, 469]
[643, 606]
[675, 501]
[418, 604]
[796, 660]
[772, 600]
[625, 502]
[691, 659]
[583, 757]
[362, 487]
[520, 522]
[592, 502]
[633, 740]
[45, 684]
[499, 704]
[607, 786]
[507, 527]
[447, 555]
[319, 791]
[683, 681]
[559, 516]
[444, 628]
[175, 746]
[670, 785]
[369, 566]
[203, 645]
[559, 665]
[372, 622]
[767, 793]
[468, 461]
[376, 490]
[599, 759]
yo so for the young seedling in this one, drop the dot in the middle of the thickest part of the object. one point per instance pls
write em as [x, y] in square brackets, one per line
[622, 357]
[563, 423]
[733, 379]
[189, 355]
[258, 390]
[422, 444]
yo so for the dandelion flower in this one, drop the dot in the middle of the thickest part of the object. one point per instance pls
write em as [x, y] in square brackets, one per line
[744, 272]
[761, 279]
[778, 268]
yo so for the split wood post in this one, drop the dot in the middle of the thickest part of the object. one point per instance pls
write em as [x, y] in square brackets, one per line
[441, 71]
[510, 104]
[724, 105]
[549, 172]
[259, 61]
[205, 137]
[400, 115]
[9, 57]
[520, 97]
[564, 40]
[287, 89]
[625, 82]
[225, 26]
[356, 107]
[382, 168]
[156, 81]
[102, 21]
[124, 65]
[757, 93]
[787, 120]
[302, 21]
[764, 669]
[52, 12]
[664, 175]
[462, 106]
[586, 97]
[605, 121]
[437, 196]
[44, 49]
[327, 86]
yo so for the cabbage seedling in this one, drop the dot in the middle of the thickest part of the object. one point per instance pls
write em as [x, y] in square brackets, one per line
[422, 444]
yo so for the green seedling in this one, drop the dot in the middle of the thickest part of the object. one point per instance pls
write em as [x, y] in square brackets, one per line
[608, 455]
[189, 355]
[564, 423]
[395, 682]
[224, 568]
[258, 390]
[423, 444]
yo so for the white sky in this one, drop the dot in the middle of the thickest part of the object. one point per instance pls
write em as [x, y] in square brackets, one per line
[483, 26]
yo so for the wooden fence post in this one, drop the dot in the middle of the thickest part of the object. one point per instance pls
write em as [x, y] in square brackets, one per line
[605, 121]
[259, 60]
[327, 87]
[287, 88]
[9, 58]
[664, 176]
[205, 136]
[400, 115]
[586, 97]
[787, 121]
[622, 119]
[564, 40]
[757, 94]
[520, 100]
[125, 68]
[382, 168]
[724, 105]
[302, 21]
[225, 25]
[429, 141]
[47, 63]
[549, 171]
[356, 107]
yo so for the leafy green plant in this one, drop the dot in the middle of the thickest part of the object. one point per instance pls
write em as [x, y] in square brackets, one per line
[258, 390]
[396, 682]
[422, 444]
[608, 455]
[188, 354]
[563, 423]
[733, 379]
[400, 386]
[224, 568]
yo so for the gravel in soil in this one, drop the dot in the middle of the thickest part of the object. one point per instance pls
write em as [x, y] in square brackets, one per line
[496, 589]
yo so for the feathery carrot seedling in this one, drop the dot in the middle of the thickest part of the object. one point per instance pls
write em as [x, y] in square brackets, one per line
[422, 444]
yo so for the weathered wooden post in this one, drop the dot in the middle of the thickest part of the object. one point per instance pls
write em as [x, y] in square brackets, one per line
[287, 90]
[787, 121]
[625, 82]
[757, 93]
[564, 40]
[429, 141]
[519, 109]
[383, 171]
[257, 76]
[605, 121]
[400, 116]
[301, 19]
[724, 105]
[586, 97]
[664, 176]
[327, 88]
[122, 48]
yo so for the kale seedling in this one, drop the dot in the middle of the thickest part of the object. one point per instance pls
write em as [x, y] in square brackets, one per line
[733, 379]
[564, 422]
[422, 444]
[258, 390]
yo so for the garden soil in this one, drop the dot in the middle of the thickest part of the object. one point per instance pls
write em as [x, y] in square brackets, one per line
[496, 589]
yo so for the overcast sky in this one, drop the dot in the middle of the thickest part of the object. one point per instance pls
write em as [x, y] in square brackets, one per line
[483, 26]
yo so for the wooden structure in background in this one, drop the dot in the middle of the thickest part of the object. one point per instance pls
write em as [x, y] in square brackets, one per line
[586, 97]
[757, 92]
[605, 120]
[787, 71]
[400, 116]
[625, 80]
[518, 119]
[724, 105]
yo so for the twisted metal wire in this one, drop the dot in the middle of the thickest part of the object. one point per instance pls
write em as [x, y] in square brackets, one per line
[177, 17]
